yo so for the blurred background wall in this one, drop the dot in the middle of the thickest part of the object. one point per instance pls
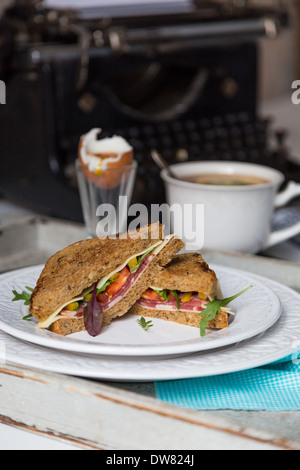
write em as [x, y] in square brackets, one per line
[280, 59]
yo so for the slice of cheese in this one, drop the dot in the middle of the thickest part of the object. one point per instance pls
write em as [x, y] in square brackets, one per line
[155, 249]
[46, 323]
[163, 244]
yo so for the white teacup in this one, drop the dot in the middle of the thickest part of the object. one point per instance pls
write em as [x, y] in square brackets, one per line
[236, 218]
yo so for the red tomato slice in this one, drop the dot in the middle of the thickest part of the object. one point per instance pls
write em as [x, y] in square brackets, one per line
[114, 288]
[150, 294]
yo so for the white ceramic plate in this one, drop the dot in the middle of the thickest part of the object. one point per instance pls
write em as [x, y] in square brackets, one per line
[280, 341]
[256, 311]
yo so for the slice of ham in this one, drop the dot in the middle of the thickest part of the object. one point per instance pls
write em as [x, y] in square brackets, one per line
[76, 314]
[195, 304]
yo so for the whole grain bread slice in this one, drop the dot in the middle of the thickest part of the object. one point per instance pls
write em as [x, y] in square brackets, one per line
[188, 272]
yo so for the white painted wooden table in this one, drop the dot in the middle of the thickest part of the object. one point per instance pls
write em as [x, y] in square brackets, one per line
[45, 410]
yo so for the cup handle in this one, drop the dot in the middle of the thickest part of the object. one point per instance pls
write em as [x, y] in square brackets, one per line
[291, 191]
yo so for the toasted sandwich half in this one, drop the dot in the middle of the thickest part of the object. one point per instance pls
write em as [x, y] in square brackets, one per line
[181, 291]
[105, 275]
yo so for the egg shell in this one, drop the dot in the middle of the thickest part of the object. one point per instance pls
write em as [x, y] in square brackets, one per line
[108, 179]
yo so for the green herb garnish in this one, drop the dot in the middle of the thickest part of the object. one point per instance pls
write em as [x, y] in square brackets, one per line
[174, 293]
[162, 293]
[28, 317]
[140, 260]
[213, 308]
[145, 324]
[26, 296]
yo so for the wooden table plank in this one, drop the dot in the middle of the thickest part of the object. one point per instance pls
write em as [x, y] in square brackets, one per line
[97, 416]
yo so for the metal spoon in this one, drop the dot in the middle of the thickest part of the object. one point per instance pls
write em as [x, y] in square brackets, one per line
[162, 164]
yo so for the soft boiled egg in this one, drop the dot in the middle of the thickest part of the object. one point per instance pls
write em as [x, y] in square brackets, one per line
[104, 160]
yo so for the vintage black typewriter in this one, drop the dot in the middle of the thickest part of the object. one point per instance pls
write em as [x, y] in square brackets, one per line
[178, 76]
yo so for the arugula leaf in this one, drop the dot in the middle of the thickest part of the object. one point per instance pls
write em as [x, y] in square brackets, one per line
[163, 294]
[214, 307]
[28, 317]
[145, 324]
[140, 260]
[25, 296]
[174, 293]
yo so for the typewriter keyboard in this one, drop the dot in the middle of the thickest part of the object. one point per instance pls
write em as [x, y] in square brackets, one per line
[233, 137]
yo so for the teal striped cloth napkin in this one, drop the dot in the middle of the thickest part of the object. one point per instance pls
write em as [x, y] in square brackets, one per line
[275, 387]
